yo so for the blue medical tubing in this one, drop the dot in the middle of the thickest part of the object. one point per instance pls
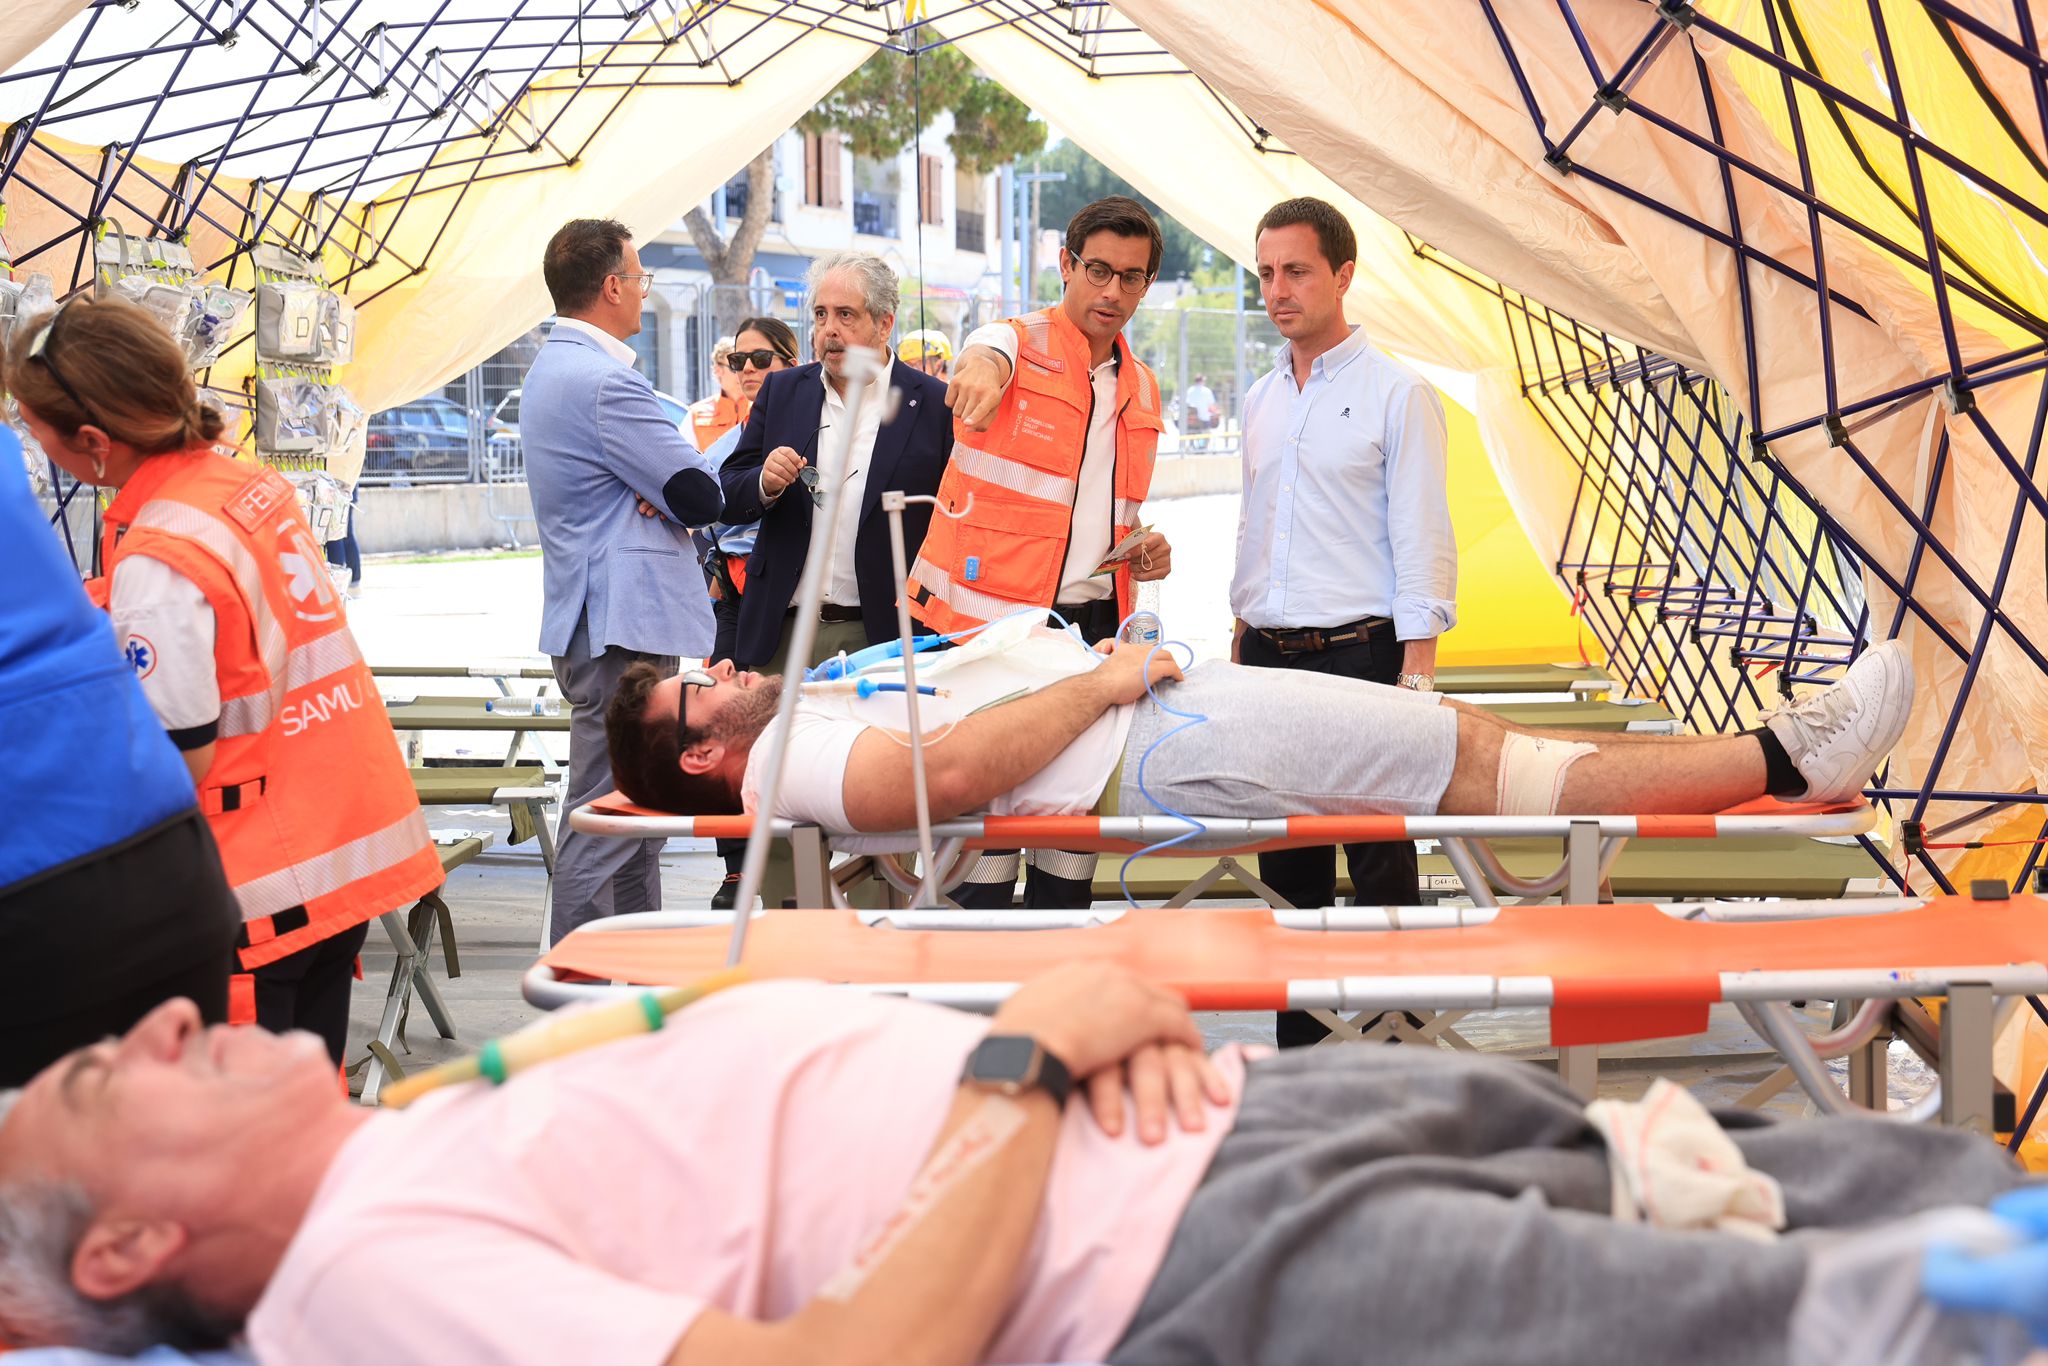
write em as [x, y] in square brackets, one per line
[844, 666]
[1192, 719]
[868, 687]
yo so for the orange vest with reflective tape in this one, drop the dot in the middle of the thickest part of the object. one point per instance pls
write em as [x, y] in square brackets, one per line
[308, 796]
[711, 418]
[1023, 473]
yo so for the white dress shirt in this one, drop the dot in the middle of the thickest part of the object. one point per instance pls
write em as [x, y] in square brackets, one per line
[841, 588]
[611, 346]
[1095, 487]
[166, 629]
[1345, 512]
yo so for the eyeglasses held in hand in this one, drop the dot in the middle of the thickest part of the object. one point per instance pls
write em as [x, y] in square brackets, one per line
[762, 360]
[1099, 273]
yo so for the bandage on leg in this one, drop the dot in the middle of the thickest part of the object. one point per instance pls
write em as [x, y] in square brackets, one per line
[1530, 781]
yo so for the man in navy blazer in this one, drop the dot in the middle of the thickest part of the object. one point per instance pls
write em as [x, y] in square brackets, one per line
[853, 304]
[618, 587]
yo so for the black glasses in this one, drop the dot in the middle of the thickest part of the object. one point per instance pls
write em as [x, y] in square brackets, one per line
[692, 678]
[762, 360]
[1101, 272]
[39, 350]
[808, 475]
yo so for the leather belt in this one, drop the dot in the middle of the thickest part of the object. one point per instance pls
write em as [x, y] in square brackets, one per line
[832, 612]
[1309, 640]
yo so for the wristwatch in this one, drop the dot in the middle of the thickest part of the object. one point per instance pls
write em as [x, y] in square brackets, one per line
[1011, 1064]
[1419, 682]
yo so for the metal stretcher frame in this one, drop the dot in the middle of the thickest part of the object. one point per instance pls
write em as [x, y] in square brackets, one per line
[1589, 844]
[1606, 973]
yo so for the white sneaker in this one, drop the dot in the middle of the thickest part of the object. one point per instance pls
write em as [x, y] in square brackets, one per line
[1837, 737]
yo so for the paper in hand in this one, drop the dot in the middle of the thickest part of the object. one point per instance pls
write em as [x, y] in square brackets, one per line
[1123, 551]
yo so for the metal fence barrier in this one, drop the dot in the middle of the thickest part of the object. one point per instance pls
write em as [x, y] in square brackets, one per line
[469, 432]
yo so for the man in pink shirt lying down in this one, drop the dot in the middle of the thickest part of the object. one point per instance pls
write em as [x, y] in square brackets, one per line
[796, 1173]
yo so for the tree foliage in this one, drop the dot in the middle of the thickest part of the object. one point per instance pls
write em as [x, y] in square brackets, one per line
[891, 98]
[1088, 180]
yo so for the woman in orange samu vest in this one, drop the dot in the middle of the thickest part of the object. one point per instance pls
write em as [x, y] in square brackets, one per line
[223, 603]
[1055, 426]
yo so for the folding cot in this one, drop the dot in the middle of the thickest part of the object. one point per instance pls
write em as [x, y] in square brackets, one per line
[1605, 973]
[1589, 844]
[420, 714]
[1523, 678]
[498, 673]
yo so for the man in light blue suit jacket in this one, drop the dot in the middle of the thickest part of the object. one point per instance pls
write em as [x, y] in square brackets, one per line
[620, 587]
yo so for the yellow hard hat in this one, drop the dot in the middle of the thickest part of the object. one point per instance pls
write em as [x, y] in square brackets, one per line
[917, 345]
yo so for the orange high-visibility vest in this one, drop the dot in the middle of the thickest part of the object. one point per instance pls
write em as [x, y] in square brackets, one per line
[1007, 552]
[711, 418]
[308, 796]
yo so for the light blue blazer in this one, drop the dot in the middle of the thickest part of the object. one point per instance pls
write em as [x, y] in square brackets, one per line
[594, 437]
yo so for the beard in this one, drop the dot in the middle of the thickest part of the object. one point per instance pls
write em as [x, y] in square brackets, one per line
[742, 719]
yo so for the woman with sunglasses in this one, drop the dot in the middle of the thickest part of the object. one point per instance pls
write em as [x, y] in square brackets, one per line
[714, 415]
[761, 345]
[224, 607]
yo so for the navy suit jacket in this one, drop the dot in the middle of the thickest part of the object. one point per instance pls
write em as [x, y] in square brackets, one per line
[911, 450]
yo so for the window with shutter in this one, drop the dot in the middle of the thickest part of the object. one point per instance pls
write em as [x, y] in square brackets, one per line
[828, 164]
[814, 169]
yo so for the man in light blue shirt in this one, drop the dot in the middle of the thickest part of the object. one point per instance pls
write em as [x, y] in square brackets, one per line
[1346, 563]
[618, 587]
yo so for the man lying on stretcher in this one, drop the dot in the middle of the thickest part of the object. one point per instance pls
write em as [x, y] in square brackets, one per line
[1273, 743]
[797, 1173]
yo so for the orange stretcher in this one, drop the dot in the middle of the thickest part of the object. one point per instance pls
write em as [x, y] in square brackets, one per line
[1589, 844]
[1606, 973]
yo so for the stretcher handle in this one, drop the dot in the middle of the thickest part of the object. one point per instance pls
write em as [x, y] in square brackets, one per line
[641, 1013]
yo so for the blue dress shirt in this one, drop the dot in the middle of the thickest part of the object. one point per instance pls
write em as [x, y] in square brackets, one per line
[1345, 513]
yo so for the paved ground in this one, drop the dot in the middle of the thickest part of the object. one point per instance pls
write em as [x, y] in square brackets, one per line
[475, 610]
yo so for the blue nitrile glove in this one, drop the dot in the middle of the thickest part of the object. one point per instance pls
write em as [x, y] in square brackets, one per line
[2014, 1283]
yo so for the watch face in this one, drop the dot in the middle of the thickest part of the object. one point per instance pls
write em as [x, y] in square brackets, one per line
[1004, 1058]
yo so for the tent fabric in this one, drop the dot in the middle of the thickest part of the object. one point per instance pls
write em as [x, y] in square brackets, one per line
[1434, 135]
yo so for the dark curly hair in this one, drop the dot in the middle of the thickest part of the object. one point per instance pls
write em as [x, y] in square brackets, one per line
[646, 753]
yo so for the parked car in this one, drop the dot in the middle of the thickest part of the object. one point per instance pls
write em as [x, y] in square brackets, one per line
[501, 430]
[425, 439]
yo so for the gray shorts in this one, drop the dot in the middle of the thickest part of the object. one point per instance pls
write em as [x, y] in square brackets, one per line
[1285, 743]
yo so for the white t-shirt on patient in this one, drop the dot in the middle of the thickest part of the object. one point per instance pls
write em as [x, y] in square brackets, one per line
[823, 732]
[590, 1209]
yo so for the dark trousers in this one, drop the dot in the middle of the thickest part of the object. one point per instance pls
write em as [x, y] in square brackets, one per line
[309, 990]
[345, 550]
[1382, 873]
[89, 949]
[1045, 890]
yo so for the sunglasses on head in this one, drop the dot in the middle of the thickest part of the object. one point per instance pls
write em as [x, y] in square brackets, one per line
[39, 351]
[762, 360]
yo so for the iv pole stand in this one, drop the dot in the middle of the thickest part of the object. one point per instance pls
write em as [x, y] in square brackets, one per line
[862, 366]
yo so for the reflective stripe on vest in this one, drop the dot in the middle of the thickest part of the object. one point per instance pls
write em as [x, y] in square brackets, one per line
[931, 584]
[1014, 475]
[182, 519]
[333, 870]
[304, 665]
[1125, 514]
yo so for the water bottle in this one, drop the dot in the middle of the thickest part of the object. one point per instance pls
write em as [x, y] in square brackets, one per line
[524, 706]
[1143, 627]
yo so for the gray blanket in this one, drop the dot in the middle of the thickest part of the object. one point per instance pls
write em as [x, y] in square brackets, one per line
[1396, 1205]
